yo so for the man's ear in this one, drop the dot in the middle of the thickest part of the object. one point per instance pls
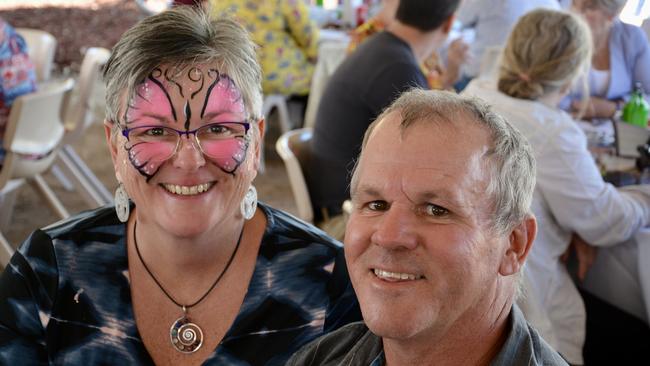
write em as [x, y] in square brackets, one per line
[448, 24]
[520, 241]
[112, 146]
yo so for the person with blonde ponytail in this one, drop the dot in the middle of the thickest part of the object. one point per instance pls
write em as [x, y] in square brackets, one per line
[546, 52]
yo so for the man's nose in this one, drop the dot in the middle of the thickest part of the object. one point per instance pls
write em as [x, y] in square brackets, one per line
[189, 155]
[397, 228]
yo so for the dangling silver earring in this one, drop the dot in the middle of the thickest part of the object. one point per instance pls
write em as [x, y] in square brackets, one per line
[249, 203]
[122, 207]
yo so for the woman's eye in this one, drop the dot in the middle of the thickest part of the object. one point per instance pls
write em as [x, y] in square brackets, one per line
[378, 205]
[218, 130]
[435, 210]
[156, 131]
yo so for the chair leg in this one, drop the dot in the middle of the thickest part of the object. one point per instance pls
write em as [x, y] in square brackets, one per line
[62, 178]
[6, 251]
[94, 192]
[39, 184]
[285, 119]
[8, 197]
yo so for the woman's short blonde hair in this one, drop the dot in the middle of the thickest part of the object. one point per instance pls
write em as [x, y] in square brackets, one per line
[182, 36]
[546, 51]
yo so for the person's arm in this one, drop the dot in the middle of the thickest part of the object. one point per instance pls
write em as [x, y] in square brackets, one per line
[641, 68]
[580, 200]
[26, 298]
[301, 27]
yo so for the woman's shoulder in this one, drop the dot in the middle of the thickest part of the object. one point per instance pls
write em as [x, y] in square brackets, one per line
[283, 228]
[73, 237]
[629, 33]
[102, 221]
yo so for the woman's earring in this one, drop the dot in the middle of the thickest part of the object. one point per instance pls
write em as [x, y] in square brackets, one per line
[122, 207]
[249, 203]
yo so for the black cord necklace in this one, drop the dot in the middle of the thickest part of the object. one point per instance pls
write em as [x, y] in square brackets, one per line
[186, 337]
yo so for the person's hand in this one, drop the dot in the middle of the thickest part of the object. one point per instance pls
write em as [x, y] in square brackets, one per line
[593, 107]
[585, 253]
[457, 54]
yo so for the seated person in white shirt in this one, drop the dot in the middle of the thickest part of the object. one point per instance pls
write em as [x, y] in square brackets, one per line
[621, 59]
[548, 50]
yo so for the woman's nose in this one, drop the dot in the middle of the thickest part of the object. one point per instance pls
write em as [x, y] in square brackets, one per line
[189, 155]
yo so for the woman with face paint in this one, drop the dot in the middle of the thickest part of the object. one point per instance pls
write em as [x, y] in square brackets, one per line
[187, 267]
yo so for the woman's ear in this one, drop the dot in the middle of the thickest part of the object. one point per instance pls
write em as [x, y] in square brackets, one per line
[520, 241]
[111, 142]
[261, 126]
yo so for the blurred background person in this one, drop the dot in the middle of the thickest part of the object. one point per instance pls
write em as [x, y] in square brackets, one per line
[545, 53]
[17, 75]
[439, 76]
[492, 21]
[287, 40]
[187, 267]
[621, 59]
[367, 81]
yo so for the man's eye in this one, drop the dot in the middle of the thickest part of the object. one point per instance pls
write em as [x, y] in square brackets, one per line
[435, 210]
[378, 205]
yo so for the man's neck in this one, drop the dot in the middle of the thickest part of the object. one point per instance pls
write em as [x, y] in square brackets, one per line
[422, 43]
[457, 346]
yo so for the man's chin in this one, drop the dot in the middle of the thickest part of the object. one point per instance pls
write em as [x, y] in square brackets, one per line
[387, 325]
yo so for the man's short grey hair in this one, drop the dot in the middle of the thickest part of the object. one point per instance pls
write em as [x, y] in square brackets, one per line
[512, 178]
[182, 36]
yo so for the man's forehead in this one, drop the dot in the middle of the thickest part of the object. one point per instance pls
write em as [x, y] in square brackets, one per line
[425, 150]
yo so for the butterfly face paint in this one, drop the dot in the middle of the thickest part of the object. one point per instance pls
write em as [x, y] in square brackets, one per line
[196, 103]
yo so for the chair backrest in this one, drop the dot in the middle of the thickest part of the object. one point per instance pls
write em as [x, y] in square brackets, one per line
[293, 148]
[148, 7]
[78, 110]
[41, 47]
[330, 56]
[34, 128]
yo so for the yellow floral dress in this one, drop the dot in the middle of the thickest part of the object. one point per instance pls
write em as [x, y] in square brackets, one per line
[431, 67]
[287, 39]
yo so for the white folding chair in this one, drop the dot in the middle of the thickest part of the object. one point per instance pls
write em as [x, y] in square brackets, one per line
[293, 148]
[41, 47]
[34, 129]
[279, 103]
[330, 56]
[78, 116]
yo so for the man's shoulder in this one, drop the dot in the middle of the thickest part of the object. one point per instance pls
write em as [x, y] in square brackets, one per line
[378, 52]
[525, 347]
[352, 344]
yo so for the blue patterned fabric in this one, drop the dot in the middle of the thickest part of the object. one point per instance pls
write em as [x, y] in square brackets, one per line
[65, 296]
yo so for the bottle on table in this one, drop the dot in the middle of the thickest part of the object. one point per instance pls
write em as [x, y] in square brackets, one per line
[636, 109]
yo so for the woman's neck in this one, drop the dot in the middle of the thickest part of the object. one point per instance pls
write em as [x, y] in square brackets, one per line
[179, 254]
[552, 100]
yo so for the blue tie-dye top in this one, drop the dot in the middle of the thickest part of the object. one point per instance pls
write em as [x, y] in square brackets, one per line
[45, 318]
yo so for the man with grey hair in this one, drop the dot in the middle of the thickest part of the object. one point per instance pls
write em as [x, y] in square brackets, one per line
[439, 232]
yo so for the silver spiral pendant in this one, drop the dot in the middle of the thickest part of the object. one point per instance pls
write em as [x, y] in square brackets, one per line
[186, 336]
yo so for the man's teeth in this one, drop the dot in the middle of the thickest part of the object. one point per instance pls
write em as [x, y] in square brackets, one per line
[395, 276]
[187, 190]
